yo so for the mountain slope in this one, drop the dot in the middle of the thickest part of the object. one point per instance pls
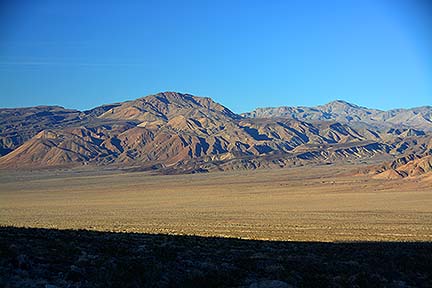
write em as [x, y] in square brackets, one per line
[411, 165]
[181, 132]
[18, 125]
[165, 127]
[164, 106]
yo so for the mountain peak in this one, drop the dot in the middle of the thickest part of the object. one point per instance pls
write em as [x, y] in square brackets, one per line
[166, 105]
[168, 97]
[341, 103]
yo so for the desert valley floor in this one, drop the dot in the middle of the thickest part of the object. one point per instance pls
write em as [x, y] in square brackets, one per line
[324, 203]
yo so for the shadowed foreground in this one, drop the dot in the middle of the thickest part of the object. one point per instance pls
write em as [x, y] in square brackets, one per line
[32, 257]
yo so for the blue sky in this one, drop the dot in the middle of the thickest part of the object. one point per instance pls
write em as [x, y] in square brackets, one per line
[243, 54]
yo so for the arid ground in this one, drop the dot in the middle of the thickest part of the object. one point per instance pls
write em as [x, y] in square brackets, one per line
[302, 204]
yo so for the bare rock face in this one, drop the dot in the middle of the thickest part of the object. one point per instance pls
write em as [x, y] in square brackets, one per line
[410, 166]
[179, 132]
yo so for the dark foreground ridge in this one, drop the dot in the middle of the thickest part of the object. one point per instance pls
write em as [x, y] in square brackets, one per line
[78, 258]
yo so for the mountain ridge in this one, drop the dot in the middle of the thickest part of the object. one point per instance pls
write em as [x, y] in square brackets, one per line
[173, 131]
[343, 111]
[340, 101]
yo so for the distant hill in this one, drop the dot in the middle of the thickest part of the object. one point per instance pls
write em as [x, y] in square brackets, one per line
[415, 118]
[181, 133]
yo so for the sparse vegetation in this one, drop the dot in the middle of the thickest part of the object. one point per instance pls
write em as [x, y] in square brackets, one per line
[79, 258]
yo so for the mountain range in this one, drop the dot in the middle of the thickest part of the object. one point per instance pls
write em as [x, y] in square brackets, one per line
[180, 133]
[341, 111]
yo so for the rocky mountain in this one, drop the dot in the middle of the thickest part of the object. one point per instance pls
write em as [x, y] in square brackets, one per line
[416, 118]
[176, 132]
[17, 125]
[411, 165]
[20, 124]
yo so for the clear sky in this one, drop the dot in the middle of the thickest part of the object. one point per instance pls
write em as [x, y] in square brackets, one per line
[243, 54]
